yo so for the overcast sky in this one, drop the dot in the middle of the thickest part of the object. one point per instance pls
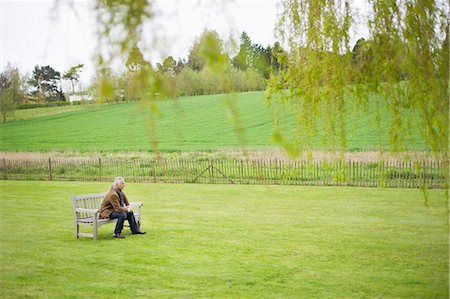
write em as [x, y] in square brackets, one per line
[32, 32]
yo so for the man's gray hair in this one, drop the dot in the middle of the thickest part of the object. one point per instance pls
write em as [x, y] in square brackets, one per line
[117, 180]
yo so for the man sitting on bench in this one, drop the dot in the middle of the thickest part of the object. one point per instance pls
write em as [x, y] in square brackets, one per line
[116, 205]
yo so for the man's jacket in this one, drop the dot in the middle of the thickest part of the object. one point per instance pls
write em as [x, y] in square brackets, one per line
[111, 203]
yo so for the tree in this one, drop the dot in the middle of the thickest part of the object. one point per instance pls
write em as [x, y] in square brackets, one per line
[195, 61]
[140, 76]
[403, 62]
[207, 49]
[10, 91]
[168, 67]
[135, 61]
[358, 50]
[105, 86]
[73, 75]
[7, 104]
[47, 82]
[181, 64]
[261, 60]
[252, 56]
[243, 58]
[278, 57]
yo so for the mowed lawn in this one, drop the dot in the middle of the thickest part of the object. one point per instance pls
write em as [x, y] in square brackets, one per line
[188, 123]
[238, 241]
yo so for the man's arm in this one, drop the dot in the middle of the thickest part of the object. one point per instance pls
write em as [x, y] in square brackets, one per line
[114, 200]
[125, 199]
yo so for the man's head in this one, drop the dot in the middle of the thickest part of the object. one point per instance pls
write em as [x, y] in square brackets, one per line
[119, 183]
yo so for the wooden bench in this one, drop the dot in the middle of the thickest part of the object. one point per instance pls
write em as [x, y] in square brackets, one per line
[86, 210]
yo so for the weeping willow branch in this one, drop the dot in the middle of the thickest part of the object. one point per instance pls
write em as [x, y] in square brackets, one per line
[316, 73]
[404, 62]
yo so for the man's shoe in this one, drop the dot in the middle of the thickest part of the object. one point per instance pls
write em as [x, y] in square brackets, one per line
[139, 233]
[119, 236]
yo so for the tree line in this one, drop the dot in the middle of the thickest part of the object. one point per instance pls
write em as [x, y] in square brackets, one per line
[44, 85]
[243, 68]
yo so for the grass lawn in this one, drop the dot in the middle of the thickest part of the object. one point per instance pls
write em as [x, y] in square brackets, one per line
[189, 123]
[228, 241]
[23, 114]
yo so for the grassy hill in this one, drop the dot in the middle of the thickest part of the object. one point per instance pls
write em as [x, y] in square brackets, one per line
[189, 123]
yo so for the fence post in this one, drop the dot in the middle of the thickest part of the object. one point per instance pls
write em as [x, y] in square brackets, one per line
[50, 168]
[349, 172]
[154, 171]
[100, 168]
[4, 169]
[212, 170]
[424, 173]
[241, 173]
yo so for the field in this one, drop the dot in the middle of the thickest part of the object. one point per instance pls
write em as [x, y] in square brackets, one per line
[189, 123]
[24, 114]
[219, 241]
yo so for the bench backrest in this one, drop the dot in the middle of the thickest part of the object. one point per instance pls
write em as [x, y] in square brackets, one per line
[87, 201]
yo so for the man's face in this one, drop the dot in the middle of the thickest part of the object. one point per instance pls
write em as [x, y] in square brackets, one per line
[120, 185]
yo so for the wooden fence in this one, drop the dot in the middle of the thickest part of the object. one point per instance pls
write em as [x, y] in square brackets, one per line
[403, 174]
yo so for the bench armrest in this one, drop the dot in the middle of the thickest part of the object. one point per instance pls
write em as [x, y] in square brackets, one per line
[136, 204]
[91, 211]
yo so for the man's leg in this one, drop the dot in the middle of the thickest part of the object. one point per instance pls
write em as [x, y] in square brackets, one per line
[132, 221]
[121, 216]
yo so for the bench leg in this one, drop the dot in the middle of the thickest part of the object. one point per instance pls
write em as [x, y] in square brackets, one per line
[95, 230]
[77, 231]
[95, 227]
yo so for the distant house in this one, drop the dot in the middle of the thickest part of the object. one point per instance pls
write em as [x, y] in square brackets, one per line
[80, 97]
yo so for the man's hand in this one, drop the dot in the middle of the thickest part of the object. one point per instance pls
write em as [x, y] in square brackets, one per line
[129, 209]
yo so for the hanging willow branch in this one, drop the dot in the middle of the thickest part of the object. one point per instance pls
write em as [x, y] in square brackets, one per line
[316, 72]
[120, 24]
[404, 63]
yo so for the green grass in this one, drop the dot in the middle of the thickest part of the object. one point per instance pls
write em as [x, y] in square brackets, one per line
[24, 114]
[189, 123]
[215, 241]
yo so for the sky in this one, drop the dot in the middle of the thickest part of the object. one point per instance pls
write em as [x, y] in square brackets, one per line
[35, 33]
[38, 32]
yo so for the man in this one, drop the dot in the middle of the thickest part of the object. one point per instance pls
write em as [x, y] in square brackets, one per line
[116, 205]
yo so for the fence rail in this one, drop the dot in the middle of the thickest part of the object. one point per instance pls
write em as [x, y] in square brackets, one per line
[403, 174]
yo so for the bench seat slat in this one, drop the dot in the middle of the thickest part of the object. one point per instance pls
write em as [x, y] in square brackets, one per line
[86, 235]
[86, 211]
[91, 220]
[100, 221]
[90, 196]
